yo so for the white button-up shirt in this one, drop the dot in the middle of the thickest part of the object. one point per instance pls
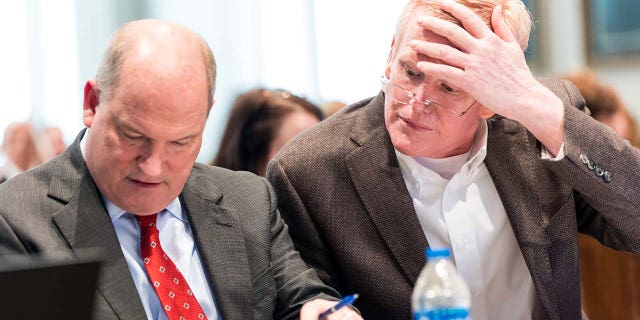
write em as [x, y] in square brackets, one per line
[459, 207]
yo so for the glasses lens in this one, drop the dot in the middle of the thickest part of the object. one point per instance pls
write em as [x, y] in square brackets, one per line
[398, 94]
[401, 94]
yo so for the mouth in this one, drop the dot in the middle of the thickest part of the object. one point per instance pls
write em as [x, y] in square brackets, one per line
[414, 125]
[144, 184]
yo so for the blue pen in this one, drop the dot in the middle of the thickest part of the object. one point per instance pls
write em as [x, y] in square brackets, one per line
[346, 301]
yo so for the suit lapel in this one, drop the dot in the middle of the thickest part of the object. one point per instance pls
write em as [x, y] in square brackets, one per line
[377, 178]
[513, 169]
[221, 246]
[85, 224]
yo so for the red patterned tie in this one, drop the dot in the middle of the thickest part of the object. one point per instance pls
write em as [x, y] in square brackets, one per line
[176, 297]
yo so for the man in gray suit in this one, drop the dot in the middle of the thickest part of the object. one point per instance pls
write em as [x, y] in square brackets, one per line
[129, 180]
[464, 149]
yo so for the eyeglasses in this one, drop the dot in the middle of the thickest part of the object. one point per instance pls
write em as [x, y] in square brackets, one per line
[404, 96]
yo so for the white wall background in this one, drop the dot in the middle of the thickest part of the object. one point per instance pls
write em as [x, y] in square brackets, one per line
[322, 49]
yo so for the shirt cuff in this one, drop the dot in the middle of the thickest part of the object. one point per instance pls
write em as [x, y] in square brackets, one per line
[546, 155]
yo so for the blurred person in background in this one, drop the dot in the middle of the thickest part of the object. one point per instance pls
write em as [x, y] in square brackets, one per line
[332, 107]
[19, 147]
[610, 279]
[605, 104]
[51, 142]
[261, 122]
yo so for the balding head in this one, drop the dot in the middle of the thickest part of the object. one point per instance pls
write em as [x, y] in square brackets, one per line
[136, 41]
[146, 112]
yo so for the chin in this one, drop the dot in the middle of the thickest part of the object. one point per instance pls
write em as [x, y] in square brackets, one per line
[407, 149]
[419, 149]
[144, 210]
[144, 207]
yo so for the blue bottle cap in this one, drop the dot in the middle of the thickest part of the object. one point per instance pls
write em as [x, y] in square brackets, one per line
[434, 253]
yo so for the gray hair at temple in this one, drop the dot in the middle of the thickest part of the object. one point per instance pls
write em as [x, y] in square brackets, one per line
[515, 14]
[119, 45]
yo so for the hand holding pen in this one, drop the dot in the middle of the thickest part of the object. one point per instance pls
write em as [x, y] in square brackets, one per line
[346, 301]
[320, 309]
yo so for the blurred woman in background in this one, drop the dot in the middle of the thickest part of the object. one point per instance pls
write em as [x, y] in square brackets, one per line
[605, 105]
[260, 123]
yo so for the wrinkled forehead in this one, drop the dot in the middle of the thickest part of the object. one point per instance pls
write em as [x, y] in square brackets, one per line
[409, 30]
[413, 32]
[432, 8]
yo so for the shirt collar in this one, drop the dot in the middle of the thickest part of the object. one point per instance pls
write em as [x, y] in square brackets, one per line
[479, 147]
[174, 209]
[83, 143]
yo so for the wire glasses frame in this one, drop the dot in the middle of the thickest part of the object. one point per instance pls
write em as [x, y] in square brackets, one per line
[409, 98]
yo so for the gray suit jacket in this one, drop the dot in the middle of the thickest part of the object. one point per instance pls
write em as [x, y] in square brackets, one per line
[342, 194]
[245, 249]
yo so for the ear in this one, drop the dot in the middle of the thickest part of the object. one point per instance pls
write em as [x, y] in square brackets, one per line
[91, 102]
[393, 42]
[485, 113]
[387, 69]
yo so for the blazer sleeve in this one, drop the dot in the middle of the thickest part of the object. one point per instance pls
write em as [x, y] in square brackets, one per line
[303, 231]
[604, 171]
[296, 283]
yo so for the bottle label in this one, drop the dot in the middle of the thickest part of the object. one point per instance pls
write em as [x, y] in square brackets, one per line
[441, 314]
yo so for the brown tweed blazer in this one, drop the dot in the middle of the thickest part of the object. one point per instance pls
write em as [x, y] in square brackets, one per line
[350, 215]
[244, 246]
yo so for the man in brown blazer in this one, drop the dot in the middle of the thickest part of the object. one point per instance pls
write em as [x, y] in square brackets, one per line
[463, 148]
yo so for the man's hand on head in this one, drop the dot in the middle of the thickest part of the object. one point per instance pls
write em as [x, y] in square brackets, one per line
[490, 66]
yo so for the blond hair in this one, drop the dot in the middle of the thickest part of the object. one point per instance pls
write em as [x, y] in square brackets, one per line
[514, 13]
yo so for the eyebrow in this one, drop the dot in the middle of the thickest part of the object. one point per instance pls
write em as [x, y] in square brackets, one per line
[409, 62]
[404, 61]
[124, 127]
[188, 137]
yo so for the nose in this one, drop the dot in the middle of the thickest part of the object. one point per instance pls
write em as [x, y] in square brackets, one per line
[150, 163]
[418, 107]
[421, 95]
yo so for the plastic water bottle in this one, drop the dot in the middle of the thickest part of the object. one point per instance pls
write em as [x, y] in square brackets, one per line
[440, 292]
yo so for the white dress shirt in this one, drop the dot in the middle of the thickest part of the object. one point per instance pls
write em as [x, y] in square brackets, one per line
[176, 239]
[459, 207]
[9, 169]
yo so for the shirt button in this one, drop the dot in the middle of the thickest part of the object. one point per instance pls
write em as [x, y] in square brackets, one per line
[606, 176]
[591, 165]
